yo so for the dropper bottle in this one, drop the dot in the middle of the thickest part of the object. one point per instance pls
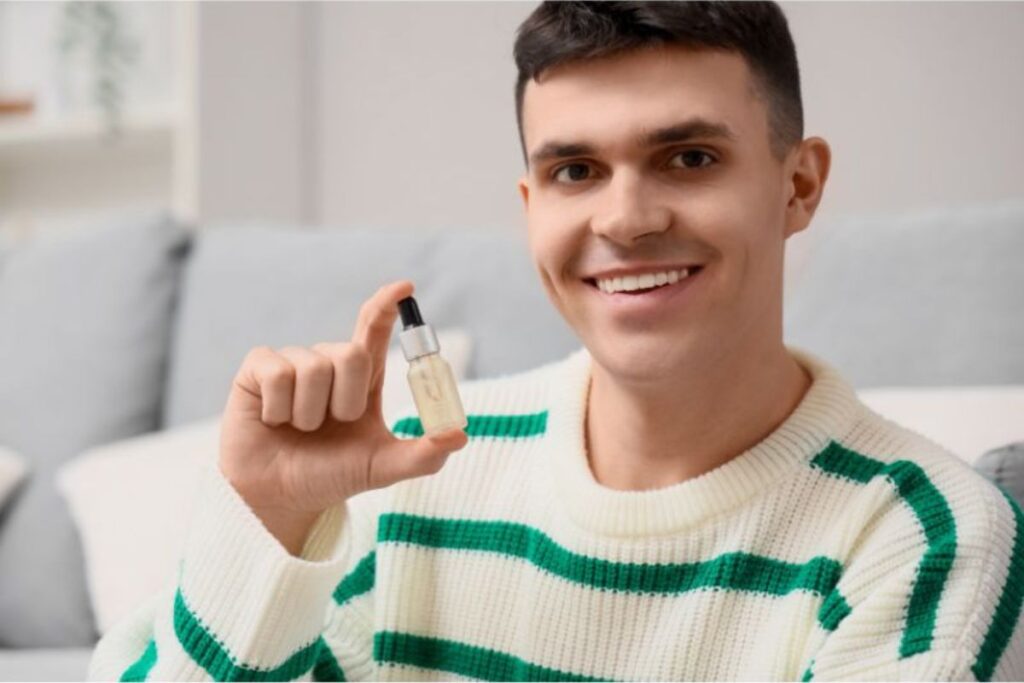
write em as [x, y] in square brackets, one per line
[430, 377]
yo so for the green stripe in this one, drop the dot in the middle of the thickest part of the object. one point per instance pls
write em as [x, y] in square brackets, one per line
[506, 426]
[205, 649]
[1007, 614]
[143, 665]
[833, 610]
[737, 571]
[327, 667]
[358, 581]
[809, 674]
[462, 659]
[936, 519]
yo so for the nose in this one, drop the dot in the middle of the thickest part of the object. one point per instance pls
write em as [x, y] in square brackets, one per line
[629, 210]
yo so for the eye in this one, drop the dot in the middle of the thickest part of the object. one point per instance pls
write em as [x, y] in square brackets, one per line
[694, 154]
[580, 171]
[576, 177]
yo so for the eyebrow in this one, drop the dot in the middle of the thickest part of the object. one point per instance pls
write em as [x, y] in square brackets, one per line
[680, 132]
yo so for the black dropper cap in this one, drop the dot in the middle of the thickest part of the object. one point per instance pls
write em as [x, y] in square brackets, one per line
[410, 313]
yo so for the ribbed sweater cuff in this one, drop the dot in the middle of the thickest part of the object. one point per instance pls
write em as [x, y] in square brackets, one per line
[239, 586]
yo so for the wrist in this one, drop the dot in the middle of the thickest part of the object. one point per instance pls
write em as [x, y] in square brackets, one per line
[291, 529]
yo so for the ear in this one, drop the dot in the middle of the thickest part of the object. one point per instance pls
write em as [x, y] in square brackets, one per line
[524, 191]
[810, 166]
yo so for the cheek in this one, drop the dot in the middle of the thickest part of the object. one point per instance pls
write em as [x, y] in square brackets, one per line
[552, 248]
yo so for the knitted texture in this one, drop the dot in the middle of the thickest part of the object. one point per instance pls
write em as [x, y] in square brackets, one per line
[842, 546]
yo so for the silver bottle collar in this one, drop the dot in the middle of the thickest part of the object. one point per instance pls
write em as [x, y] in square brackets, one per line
[418, 341]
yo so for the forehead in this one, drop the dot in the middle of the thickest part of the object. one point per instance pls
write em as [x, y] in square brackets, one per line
[613, 100]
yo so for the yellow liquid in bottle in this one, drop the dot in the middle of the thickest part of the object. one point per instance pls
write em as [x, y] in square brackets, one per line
[436, 394]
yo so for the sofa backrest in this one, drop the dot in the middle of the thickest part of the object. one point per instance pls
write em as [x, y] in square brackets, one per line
[922, 298]
[85, 324]
[253, 285]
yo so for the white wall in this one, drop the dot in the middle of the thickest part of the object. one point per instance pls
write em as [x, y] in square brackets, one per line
[417, 116]
[251, 100]
[921, 102]
[401, 114]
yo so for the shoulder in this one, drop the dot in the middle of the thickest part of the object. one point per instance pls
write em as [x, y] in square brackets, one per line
[921, 485]
[939, 536]
[926, 476]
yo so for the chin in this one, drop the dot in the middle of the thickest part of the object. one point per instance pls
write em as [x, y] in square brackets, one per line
[640, 356]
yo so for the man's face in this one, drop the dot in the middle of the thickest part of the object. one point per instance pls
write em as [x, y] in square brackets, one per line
[712, 199]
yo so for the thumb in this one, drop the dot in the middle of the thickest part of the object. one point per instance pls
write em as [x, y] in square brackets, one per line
[408, 458]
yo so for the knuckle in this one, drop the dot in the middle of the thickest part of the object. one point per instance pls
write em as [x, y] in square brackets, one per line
[354, 354]
[347, 410]
[322, 366]
[302, 360]
[307, 424]
[328, 353]
[311, 365]
[257, 354]
[280, 374]
[329, 349]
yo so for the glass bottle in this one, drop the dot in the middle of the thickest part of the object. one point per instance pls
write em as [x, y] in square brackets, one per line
[430, 377]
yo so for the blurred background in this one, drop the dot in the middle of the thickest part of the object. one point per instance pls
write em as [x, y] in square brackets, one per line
[182, 181]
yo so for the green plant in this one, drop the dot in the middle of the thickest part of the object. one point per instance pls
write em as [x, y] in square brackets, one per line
[98, 30]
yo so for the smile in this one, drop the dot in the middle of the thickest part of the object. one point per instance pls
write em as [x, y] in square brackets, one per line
[646, 298]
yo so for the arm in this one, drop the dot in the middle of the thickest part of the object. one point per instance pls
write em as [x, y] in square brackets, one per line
[243, 607]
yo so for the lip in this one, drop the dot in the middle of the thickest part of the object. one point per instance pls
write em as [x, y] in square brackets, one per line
[650, 303]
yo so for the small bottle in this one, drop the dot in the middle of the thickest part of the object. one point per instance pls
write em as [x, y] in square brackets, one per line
[430, 377]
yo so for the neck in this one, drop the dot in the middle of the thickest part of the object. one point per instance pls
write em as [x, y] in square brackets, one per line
[652, 436]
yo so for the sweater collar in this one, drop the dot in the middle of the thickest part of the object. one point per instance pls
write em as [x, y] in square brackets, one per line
[825, 412]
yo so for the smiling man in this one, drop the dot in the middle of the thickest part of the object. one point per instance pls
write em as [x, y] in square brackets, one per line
[659, 197]
[683, 498]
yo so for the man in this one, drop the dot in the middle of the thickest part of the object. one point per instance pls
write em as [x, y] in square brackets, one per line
[683, 498]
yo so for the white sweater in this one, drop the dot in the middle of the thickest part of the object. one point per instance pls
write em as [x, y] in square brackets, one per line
[842, 546]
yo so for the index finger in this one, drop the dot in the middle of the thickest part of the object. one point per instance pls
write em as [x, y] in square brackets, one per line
[376, 319]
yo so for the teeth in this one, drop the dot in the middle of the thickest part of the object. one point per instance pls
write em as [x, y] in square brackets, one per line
[630, 283]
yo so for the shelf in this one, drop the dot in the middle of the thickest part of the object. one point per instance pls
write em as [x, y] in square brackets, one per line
[33, 141]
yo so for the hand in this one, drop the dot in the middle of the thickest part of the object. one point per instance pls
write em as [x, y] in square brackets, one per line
[303, 429]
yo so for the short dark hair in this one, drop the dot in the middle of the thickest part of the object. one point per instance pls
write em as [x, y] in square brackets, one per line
[560, 32]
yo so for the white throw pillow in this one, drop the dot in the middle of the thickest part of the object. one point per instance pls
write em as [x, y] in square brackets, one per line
[132, 500]
[13, 468]
[966, 420]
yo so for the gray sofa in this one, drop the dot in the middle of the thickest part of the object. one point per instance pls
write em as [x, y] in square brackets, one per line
[139, 325]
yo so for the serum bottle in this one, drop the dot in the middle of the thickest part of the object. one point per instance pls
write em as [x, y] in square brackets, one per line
[430, 377]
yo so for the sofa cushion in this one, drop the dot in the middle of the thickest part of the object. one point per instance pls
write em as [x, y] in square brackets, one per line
[252, 285]
[968, 421]
[1005, 467]
[84, 329]
[45, 664]
[922, 298]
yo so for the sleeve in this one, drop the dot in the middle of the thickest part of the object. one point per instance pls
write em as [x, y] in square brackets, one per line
[243, 608]
[950, 610]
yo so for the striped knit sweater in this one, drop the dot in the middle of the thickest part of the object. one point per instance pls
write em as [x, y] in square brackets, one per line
[842, 546]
